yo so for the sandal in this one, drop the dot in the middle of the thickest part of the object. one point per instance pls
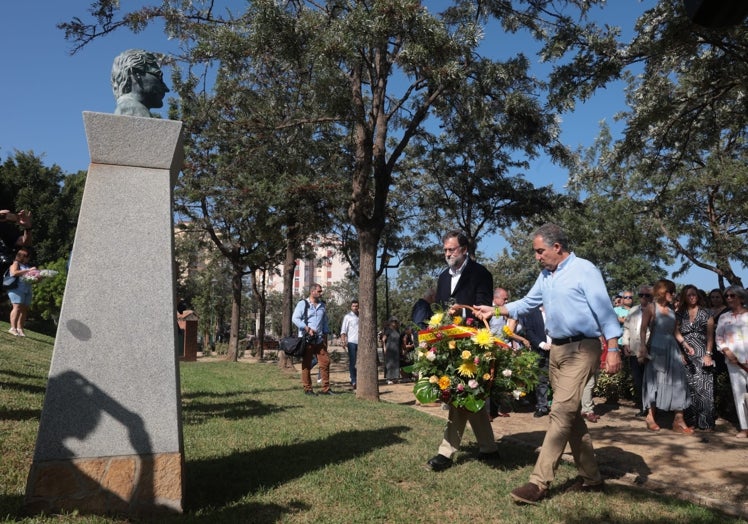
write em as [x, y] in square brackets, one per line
[742, 434]
[652, 426]
[682, 428]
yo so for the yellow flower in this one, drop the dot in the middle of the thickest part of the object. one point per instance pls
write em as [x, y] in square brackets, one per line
[452, 344]
[467, 369]
[436, 320]
[486, 376]
[483, 338]
[444, 382]
[507, 331]
[466, 355]
[456, 320]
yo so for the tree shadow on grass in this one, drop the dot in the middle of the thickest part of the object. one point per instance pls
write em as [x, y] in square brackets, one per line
[242, 408]
[20, 414]
[220, 481]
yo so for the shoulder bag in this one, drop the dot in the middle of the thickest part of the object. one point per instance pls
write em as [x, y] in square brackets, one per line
[9, 282]
[294, 346]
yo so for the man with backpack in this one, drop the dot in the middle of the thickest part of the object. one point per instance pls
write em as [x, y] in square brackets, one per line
[310, 317]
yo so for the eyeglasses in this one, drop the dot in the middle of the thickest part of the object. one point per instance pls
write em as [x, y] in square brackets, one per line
[730, 295]
[647, 295]
[628, 297]
[449, 250]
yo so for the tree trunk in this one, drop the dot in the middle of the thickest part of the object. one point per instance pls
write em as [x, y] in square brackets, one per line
[289, 264]
[367, 385]
[262, 302]
[236, 311]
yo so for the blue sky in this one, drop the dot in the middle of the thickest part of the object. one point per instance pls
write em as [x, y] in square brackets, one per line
[45, 89]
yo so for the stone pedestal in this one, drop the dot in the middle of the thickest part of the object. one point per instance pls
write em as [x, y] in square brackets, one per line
[110, 434]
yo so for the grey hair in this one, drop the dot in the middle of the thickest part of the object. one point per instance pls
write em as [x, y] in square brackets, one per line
[740, 292]
[552, 234]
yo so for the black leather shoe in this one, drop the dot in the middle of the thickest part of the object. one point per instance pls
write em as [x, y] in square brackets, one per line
[642, 413]
[542, 412]
[310, 393]
[489, 457]
[439, 463]
[328, 392]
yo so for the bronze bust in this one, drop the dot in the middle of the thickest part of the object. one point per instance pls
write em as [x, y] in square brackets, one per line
[138, 83]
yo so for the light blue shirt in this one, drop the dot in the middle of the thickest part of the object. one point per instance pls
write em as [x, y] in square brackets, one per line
[576, 301]
[316, 319]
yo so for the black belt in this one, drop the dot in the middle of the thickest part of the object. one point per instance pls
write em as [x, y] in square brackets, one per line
[567, 340]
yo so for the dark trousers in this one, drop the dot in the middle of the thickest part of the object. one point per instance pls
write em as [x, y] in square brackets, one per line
[637, 374]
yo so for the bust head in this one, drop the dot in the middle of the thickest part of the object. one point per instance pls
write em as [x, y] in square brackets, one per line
[137, 82]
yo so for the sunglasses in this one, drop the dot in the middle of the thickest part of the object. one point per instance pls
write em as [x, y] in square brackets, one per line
[628, 297]
[730, 295]
[647, 295]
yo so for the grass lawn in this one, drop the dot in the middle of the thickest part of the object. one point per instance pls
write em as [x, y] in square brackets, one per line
[258, 451]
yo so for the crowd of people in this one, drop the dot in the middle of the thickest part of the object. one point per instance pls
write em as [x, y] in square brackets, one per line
[672, 344]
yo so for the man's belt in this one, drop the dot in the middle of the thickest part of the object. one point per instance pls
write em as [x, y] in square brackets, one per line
[567, 340]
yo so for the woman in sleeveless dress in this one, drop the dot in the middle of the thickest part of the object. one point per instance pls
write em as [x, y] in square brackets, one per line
[665, 380]
[696, 335]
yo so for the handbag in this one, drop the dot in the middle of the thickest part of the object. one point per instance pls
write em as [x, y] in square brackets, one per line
[9, 282]
[293, 346]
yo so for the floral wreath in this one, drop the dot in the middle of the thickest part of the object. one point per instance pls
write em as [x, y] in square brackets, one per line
[457, 363]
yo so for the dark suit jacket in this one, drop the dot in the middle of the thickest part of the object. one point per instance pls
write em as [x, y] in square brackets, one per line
[534, 327]
[475, 287]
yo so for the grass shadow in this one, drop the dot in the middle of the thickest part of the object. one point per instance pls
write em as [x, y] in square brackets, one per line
[246, 473]
[198, 412]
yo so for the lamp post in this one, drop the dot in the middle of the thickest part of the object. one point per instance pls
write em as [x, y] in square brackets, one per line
[386, 265]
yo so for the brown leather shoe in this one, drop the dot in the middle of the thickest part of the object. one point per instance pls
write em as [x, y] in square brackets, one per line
[580, 487]
[529, 494]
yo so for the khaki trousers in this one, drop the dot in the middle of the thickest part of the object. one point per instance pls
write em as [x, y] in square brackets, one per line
[571, 366]
[479, 422]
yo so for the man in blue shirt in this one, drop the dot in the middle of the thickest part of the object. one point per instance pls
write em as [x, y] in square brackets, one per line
[577, 312]
[310, 316]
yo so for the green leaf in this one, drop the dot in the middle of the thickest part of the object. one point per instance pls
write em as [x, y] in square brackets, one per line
[425, 392]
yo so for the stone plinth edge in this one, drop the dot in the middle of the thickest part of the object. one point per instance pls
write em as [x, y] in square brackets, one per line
[133, 485]
[134, 141]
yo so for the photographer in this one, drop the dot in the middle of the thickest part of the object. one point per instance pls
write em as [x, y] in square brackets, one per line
[9, 234]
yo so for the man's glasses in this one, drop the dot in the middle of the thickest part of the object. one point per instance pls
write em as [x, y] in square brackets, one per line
[450, 250]
[628, 297]
[645, 295]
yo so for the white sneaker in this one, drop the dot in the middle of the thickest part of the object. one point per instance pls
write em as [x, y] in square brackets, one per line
[319, 381]
[389, 382]
[20, 333]
[13, 331]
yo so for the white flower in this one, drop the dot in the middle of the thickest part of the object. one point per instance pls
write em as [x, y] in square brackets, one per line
[516, 394]
[430, 356]
[507, 373]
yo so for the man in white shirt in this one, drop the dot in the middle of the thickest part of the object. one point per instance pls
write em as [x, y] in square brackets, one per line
[631, 344]
[349, 337]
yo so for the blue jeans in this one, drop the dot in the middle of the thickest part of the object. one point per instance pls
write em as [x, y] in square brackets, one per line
[352, 351]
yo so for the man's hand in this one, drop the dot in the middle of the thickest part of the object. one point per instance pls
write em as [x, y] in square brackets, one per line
[484, 312]
[24, 219]
[613, 362]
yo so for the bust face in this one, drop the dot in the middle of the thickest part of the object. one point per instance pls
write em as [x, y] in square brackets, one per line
[149, 87]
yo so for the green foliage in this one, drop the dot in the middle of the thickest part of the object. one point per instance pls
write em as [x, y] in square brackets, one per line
[46, 300]
[52, 197]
